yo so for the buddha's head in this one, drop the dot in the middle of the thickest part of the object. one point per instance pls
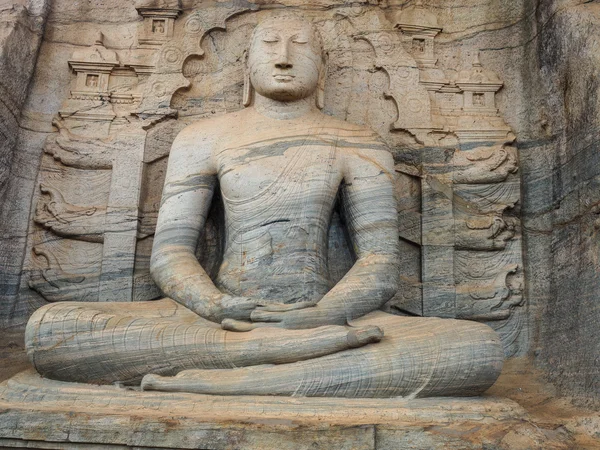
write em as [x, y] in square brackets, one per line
[286, 61]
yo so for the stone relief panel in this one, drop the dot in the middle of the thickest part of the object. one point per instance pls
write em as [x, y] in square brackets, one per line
[71, 221]
[458, 186]
[56, 284]
[68, 229]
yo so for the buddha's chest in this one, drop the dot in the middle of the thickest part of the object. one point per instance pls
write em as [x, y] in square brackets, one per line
[283, 171]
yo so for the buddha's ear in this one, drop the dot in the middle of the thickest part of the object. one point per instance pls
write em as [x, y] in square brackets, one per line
[247, 101]
[322, 80]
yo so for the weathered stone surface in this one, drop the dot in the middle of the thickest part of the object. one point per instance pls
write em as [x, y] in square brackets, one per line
[82, 414]
[195, 76]
[561, 194]
[21, 27]
[123, 420]
[543, 52]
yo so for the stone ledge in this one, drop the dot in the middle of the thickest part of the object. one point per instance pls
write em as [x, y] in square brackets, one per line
[39, 413]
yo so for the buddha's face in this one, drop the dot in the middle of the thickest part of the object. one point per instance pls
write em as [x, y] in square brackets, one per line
[285, 59]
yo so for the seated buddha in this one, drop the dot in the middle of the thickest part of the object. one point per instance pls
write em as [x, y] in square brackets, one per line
[272, 322]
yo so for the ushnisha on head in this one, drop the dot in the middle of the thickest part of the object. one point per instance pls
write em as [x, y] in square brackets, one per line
[286, 61]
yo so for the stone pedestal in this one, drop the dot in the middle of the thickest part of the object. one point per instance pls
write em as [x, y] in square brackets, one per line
[39, 413]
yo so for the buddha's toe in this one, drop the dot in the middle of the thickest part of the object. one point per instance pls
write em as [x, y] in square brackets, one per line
[364, 335]
[151, 382]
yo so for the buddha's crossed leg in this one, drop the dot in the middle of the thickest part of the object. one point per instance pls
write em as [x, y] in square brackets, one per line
[107, 343]
[418, 357]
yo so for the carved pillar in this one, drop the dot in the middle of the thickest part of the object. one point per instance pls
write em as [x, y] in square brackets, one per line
[439, 291]
[118, 257]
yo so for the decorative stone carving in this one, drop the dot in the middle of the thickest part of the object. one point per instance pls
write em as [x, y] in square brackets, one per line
[75, 152]
[484, 164]
[93, 67]
[79, 222]
[488, 198]
[56, 285]
[486, 300]
[484, 233]
[90, 98]
[479, 118]
[85, 223]
[469, 192]
[404, 76]
[479, 86]
[489, 283]
[116, 223]
[159, 20]
[419, 28]
[168, 72]
[279, 165]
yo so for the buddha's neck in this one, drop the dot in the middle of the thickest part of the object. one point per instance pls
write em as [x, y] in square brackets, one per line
[284, 110]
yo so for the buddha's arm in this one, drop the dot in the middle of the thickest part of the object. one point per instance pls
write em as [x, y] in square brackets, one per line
[371, 215]
[187, 194]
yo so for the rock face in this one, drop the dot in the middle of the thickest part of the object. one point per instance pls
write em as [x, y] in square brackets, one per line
[561, 201]
[490, 110]
[21, 28]
[20, 36]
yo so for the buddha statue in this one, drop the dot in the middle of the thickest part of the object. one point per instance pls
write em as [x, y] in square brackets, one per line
[272, 322]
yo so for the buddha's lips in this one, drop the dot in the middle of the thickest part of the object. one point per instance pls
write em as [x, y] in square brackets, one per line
[283, 77]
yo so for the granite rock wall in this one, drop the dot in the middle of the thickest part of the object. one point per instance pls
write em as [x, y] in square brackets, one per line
[561, 198]
[21, 29]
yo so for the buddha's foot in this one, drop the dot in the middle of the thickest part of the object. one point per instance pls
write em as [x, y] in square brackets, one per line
[237, 381]
[272, 345]
[199, 381]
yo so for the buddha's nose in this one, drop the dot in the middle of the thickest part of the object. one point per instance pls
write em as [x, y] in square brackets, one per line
[283, 58]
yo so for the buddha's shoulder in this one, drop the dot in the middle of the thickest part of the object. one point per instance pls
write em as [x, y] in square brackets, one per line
[343, 125]
[232, 124]
[213, 127]
[351, 131]
[354, 139]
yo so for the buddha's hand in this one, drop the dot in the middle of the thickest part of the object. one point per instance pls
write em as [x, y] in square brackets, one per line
[236, 308]
[300, 315]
